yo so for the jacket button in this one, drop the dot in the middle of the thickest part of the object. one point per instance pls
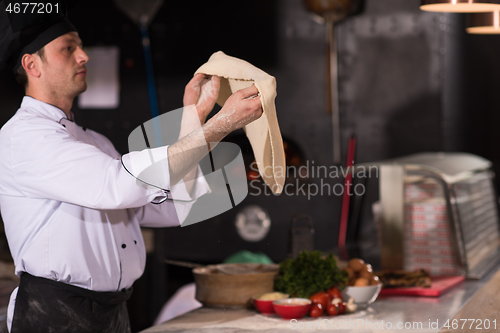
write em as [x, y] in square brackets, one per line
[84, 128]
[135, 242]
[124, 246]
[124, 290]
[63, 125]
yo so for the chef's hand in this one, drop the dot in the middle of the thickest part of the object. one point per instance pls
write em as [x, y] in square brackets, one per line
[240, 109]
[202, 91]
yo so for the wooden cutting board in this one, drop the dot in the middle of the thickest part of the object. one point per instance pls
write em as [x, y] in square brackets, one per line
[439, 285]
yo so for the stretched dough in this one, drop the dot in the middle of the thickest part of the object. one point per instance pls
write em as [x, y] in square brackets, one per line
[264, 133]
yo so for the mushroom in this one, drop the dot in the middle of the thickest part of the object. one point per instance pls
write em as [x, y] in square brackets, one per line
[350, 306]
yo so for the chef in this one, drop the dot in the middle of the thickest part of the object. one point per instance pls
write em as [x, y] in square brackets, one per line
[71, 211]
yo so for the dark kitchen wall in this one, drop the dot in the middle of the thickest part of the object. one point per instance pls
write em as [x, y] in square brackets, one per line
[409, 81]
[413, 81]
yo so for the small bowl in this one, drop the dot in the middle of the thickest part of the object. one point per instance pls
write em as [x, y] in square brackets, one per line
[265, 306]
[363, 296]
[292, 308]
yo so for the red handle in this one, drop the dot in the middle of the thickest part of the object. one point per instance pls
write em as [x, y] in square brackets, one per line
[345, 201]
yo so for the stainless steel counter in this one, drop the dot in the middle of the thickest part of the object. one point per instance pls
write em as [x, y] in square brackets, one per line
[387, 314]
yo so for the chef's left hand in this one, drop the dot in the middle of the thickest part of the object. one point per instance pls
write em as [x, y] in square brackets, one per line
[202, 91]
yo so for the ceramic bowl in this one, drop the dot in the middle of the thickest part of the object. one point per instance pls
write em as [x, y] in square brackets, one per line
[264, 306]
[363, 296]
[292, 308]
[264, 303]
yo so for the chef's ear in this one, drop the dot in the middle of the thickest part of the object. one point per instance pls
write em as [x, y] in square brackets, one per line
[31, 64]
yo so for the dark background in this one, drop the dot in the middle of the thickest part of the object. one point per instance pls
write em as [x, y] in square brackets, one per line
[410, 81]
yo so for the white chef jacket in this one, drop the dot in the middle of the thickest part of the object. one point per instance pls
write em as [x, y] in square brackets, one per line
[71, 212]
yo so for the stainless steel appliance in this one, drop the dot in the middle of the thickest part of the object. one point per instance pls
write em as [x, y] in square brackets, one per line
[438, 211]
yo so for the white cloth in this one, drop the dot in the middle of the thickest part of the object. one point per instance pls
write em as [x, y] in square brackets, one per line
[72, 213]
[183, 301]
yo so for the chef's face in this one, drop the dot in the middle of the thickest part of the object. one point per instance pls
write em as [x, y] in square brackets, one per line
[63, 70]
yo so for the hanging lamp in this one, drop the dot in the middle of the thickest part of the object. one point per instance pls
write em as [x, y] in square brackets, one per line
[484, 23]
[460, 6]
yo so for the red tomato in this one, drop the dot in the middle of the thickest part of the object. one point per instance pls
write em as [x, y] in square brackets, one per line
[332, 309]
[316, 310]
[321, 298]
[334, 292]
[342, 306]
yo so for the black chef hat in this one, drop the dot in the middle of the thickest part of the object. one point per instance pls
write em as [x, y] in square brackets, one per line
[31, 28]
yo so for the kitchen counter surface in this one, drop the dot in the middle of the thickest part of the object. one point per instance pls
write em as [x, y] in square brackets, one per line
[473, 299]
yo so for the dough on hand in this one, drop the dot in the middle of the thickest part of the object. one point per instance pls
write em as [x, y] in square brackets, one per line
[264, 133]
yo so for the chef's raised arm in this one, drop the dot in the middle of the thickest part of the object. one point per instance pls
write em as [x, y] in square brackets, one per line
[49, 162]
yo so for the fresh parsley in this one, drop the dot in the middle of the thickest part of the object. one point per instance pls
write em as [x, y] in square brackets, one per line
[309, 273]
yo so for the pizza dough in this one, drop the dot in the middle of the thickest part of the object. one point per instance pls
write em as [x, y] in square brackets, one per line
[264, 133]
